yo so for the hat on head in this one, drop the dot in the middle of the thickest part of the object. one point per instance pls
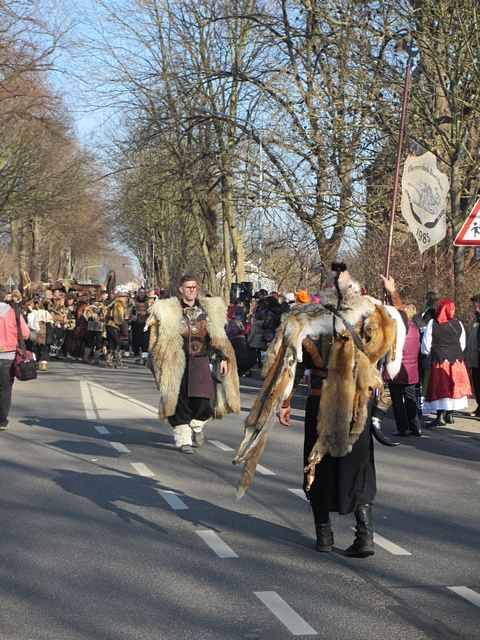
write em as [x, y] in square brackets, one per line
[302, 297]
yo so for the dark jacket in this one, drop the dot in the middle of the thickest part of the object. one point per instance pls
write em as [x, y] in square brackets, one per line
[268, 315]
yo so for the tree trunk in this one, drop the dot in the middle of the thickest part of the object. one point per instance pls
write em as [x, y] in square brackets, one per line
[235, 234]
[227, 283]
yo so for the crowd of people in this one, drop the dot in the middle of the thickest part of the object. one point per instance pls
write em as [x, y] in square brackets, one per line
[91, 325]
[102, 328]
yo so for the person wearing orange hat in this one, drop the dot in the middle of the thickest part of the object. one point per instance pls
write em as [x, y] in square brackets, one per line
[302, 297]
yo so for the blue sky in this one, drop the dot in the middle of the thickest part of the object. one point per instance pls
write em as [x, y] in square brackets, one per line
[75, 69]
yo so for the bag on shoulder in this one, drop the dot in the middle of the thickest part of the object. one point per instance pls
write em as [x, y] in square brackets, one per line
[23, 367]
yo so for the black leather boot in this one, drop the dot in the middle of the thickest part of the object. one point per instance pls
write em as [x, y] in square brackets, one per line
[449, 417]
[362, 546]
[440, 420]
[323, 529]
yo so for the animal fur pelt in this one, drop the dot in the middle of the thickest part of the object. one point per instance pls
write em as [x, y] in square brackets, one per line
[168, 357]
[352, 375]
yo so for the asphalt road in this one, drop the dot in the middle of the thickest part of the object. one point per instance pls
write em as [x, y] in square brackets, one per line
[109, 533]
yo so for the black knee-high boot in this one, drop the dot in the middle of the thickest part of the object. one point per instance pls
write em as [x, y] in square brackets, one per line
[323, 529]
[362, 546]
[440, 420]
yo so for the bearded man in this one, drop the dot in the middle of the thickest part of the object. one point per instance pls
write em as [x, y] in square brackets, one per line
[193, 362]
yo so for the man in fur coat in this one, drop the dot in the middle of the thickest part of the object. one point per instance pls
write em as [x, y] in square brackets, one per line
[193, 363]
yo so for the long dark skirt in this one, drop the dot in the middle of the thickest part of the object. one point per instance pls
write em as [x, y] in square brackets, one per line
[341, 484]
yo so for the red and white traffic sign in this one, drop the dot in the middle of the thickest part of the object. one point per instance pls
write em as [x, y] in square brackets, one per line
[469, 234]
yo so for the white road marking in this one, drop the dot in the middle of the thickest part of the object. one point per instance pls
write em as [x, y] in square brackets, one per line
[173, 500]
[264, 471]
[102, 430]
[467, 594]
[120, 447]
[88, 405]
[142, 469]
[148, 407]
[300, 493]
[391, 547]
[284, 612]
[220, 445]
[216, 544]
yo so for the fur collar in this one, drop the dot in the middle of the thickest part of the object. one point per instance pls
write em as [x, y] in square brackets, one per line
[169, 314]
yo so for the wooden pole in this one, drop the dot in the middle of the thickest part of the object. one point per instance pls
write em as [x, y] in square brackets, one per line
[396, 180]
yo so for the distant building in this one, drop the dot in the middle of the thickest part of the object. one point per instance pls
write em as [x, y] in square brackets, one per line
[256, 276]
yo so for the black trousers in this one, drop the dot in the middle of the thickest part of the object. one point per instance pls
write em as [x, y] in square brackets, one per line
[405, 407]
[189, 408]
[94, 340]
[42, 352]
[6, 383]
[139, 338]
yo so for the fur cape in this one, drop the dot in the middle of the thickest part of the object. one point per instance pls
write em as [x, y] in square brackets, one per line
[168, 357]
[352, 377]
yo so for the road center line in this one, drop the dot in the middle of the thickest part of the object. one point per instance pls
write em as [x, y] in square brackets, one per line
[216, 544]
[264, 471]
[102, 430]
[391, 547]
[284, 612]
[173, 500]
[142, 469]
[119, 446]
[220, 445]
[300, 493]
[467, 594]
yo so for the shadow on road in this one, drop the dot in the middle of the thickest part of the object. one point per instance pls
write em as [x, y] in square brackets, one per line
[112, 492]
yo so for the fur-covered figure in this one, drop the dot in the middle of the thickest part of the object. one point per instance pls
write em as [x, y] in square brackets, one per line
[353, 375]
[169, 360]
[362, 332]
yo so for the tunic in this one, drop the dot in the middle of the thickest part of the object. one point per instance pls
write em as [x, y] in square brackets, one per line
[197, 390]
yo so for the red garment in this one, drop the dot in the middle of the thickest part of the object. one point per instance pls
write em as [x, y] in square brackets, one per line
[448, 380]
[408, 373]
[445, 310]
[8, 328]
